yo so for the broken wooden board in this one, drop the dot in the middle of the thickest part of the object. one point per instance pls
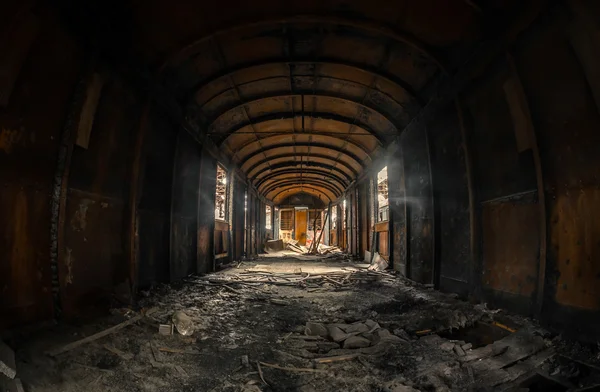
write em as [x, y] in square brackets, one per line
[94, 337]
[511, 349]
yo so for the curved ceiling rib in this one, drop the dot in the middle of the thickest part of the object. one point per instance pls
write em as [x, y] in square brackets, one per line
[297, 174]
[304, 102]
[250, 170]
[374, 28]
[409, 97]
[264, 101]
[357, 67]
[288, 191]
[305, 180]
[257, 121]
[290, 168]
[299, 187]
[241, 155]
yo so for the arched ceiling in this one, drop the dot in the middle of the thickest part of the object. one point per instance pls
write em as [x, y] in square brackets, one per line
[302, 102]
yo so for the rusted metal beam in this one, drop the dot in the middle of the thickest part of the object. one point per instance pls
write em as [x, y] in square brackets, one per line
[353, 156]
[373, 27]
[522, 102]
[290, 116]
[280, 156]
[308, 94]
[360, 112]
[473, 238]
[223, 64]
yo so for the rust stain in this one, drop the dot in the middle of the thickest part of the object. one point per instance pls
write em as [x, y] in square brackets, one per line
[511, 247]
[69, 266]
[79, 221]
[575, 236]
[9, 138]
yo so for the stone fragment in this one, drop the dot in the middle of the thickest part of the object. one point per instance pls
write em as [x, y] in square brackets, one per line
[315, 329]
[183, 323]
[356, 342]
[8, 365]
[357, 328]
[402, 333]
[459, 351]
[447, 346]
[372, 325]
[336, 334]
[383, 335]
[467, 346]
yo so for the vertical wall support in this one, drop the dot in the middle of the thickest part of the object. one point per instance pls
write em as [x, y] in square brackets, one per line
[523, 114]
[398, 221]
[134, 198]
[61, 183]
[474, 261]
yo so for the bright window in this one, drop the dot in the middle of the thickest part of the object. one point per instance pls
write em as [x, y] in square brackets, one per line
[382, 196]
[221, 194]
[268, 217]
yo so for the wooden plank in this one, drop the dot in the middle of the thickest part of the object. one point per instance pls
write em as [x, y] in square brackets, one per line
[94, 337]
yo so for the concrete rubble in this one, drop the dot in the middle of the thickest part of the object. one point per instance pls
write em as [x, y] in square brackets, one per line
[286, 325]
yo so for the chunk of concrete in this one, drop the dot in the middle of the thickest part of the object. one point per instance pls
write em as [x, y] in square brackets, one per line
[8, 365]
[372, 325]
[402, 333]
[383, 335]
[357, 328]
[447, 346]
[459, 351]
[315, 329]
[356, 342]
[467, 346]
[336, 334]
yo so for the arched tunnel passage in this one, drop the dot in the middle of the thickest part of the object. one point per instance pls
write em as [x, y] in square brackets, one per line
[453, 144]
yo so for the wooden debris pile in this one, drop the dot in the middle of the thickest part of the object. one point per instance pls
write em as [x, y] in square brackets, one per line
[254, 279]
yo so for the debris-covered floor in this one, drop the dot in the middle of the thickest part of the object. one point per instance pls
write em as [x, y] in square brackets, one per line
[285, 324]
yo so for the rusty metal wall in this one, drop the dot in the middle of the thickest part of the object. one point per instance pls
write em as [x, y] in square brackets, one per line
[184, 206]
[419, 205]
[206, 213]
[503, 173]
[30, 129]
[398, 218]
[238, 219]
[94, 259]
[566, 117]
[154, 211]
[451, 199]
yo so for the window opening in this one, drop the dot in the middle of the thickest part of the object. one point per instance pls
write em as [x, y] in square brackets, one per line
[286, 224]
[221, 194]
[334, 217]
[268, 217]
[344, 214]
[382, 196]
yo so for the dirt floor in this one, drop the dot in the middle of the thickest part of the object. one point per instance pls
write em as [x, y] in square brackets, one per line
[290, 324]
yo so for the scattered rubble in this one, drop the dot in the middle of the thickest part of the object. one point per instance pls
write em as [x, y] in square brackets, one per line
[305, 326]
